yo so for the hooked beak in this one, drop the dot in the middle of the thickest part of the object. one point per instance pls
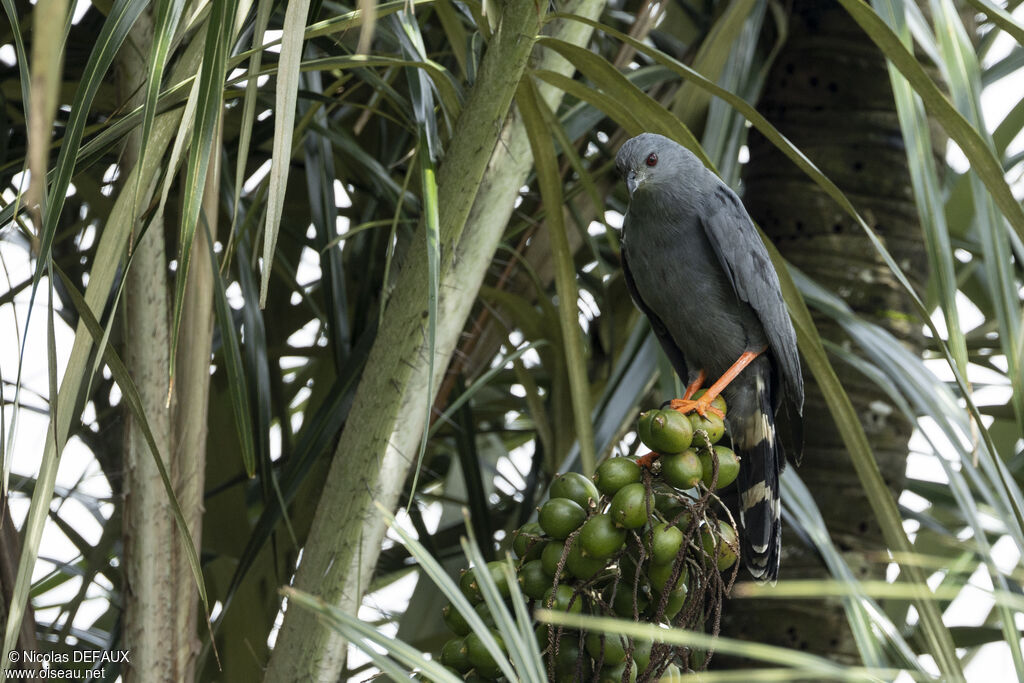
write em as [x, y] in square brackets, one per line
[634, 180]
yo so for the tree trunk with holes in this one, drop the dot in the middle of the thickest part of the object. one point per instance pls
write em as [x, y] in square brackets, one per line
[829, 92]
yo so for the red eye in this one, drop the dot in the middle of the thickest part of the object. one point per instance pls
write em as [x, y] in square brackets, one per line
[652, 159]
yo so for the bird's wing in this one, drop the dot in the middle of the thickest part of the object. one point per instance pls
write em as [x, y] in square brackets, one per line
[745, 261]
[675, 355]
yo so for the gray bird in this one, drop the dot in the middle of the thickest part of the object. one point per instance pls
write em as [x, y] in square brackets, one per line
[696, 267]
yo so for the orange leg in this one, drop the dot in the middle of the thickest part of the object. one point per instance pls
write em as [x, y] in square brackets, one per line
[695, 385]
[703, 404]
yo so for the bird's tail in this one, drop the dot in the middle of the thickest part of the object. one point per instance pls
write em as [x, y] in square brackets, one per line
[759, 496]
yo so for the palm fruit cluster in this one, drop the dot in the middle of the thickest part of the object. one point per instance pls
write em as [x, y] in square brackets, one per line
[638, 542]
[686, 444]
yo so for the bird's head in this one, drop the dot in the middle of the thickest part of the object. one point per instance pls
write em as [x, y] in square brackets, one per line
[649, 160]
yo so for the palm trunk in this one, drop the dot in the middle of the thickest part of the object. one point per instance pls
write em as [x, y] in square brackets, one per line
[161, 609]
[192, 398]
[829, 93]
[148, 524]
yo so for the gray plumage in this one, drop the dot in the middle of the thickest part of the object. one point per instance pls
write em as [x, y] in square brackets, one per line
[695, 265]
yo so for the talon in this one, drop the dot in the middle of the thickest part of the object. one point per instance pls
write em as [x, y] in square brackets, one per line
[702, 407]
[647, 460]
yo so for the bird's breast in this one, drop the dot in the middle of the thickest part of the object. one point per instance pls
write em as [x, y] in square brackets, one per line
[680, 278]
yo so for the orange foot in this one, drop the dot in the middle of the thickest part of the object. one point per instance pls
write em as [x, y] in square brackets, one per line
[701, 405]
[647, 460]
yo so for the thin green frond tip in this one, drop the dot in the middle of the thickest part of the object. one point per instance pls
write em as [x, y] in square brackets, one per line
[549, 181]
[401, 658]
[208, 109]
[237, 387]
[168, 14]
[439, 576]
[249, 104]
[47, 62]
[112, 35]
[284, 119]
[927, 194]
[1001, 18]
[517, 642]
[481, 382]
[790, 659]
[432, 223]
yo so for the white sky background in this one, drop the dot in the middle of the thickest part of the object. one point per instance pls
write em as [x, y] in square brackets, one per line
[78, 469]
